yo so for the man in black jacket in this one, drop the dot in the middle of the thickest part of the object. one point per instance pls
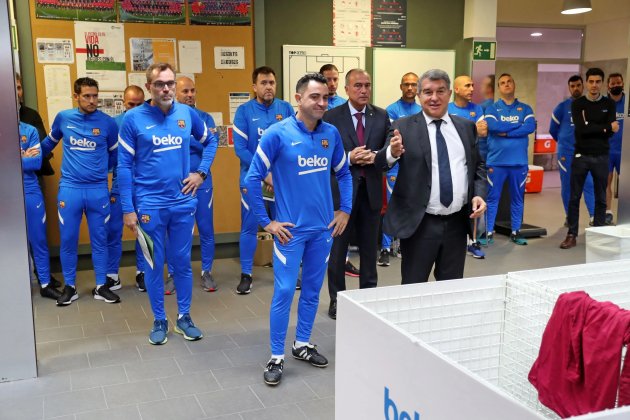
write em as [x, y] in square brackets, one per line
[595, 122]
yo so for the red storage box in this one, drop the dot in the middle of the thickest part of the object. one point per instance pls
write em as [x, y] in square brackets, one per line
[534, 181]
[544, 144]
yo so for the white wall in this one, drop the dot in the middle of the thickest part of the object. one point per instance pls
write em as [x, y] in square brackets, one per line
[607, 40]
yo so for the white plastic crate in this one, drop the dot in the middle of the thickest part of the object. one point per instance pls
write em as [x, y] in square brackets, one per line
[605, 243]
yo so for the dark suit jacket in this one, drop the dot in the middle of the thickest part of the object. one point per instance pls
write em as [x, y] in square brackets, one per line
[30, 116]
[412, 190]
[376, 128]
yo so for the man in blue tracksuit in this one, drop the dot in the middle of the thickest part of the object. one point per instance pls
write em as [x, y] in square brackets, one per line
[403, 107]
[35, 209]
[250, 122]
[89, 148]
[301, 152]
[331, 73]
[562, 130]
[186, 93]
[462, 106]
[155, 143]
[615, 92]
[133, 96]
[510, 122]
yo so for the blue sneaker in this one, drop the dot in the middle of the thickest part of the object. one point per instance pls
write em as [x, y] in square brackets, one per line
[158, 334]
[474, 249]
[517, 238]
[186, 328]
[486, 238]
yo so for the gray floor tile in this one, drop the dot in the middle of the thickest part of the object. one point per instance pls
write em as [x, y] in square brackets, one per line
[318, 409]
[202, 362]
[83, 345]
[47, 350]
[143, 325]
[294, 392]
[193, 383]
[238, 376]
[73, 402]
[114, 357]
[322, 385]
[128, 340]
[128, 412]
[160, 368]
[248, 355]
[175, 347]
[183, 408]
[95, 377]
[283, 412]
[46, 322]
[25, 408]
[46, 307]
[228, 401]
[231, 326]
[58, 334]
[251, 338]
[105, 328]
[48, 384]
[46, 366]
[76, 318]
[211, 343]
[135, 313]
[226, 417]
[133, 393]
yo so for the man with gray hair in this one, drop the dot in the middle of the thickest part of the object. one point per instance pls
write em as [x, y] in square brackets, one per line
[439, 187]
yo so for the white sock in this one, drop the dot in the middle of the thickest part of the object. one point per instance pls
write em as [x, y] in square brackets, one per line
[138, 272]
[277, 356]
[513, 232]
[179, 316]
[609, 212]
[386, 249]
[114, 276]
[297, 344]
[44, 285]
[98, 286]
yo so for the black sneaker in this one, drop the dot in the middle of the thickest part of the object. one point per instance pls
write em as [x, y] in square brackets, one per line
[608, 221]
[351, 270]
[104, 294]
[332, 309]
[68, 295]
[383, 260]
[56, 284]
[273, 371]
[245, 286]
[140, 282]
[112, 284]
[309, 353]
[298, 285]
[49, 292]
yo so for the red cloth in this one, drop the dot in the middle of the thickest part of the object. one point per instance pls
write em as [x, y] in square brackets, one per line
[578, 366]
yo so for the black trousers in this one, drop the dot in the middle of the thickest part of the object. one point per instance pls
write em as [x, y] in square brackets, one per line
[439, 241]
[365, 223]
[597, 165]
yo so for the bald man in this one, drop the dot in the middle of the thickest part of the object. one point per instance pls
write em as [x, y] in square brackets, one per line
[462, 106]
[133, 96]
[186, 93]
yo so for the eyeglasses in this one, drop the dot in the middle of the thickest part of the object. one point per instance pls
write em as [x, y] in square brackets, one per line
[160, 84]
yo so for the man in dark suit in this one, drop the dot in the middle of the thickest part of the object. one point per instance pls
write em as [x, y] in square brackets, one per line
[363, 128]
[439, 187]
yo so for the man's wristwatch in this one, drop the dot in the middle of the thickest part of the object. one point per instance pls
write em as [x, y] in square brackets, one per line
[202, 174]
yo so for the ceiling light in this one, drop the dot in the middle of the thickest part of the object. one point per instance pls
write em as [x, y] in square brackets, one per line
[536, 34]
[574, 7]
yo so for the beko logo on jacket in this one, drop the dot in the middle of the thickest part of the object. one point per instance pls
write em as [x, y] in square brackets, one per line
[82, 144]
[315, 162]
[511, 118]
[172, 142]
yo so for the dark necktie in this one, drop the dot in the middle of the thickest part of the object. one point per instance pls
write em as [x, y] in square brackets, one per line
[360, 128]
[444, 167]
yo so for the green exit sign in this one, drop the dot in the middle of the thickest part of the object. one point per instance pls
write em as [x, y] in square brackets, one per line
[484, 50]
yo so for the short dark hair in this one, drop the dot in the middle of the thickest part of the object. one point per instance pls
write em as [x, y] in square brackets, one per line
[435, 75]
[262, 70]
[134, 89]
[504, 75]
[350, 72]
[84, 81]
[306, 79]
[327, 67]
[611, 75]
[575, 78]
[594, 71]
[492, 81]
[160, 67]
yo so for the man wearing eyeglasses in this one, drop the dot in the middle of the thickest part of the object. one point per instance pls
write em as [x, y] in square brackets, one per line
[363, 128]
[439, 187]
[155, 144]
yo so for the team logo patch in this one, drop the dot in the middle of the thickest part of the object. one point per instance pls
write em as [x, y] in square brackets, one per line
[490, 170]
[145, 218]
[62, 204]
[279, 117]
[519, 109]
[325, 143]
[23, 139]
[96, 131]
[473, 114]
[181, 123]
[392, 178]
[112, 199]
[563, 158]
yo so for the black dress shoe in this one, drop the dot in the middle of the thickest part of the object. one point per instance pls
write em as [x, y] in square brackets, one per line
[332, 309]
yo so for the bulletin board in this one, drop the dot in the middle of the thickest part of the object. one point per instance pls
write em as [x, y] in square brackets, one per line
[390, 64]
[213, 88]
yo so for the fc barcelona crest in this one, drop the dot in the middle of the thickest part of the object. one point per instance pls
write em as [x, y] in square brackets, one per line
[473, 114]
[145, 218]
[181, 123]
[392, 178]
[519, 109]
[112, 199]
[23, 139]
[96, 131]
[62, 204]
[279, 117]
[325, 143]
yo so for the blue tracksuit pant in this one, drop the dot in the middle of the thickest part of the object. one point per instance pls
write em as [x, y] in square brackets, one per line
[114, 238]
[516, 177]
[36, 233]
[391, 181]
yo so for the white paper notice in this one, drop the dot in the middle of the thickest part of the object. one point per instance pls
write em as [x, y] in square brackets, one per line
[54, 50]
[139, 79]
[111, 103]
[100, 50]
[57, 80]
[190, 56]
[236, 99]
[217, 117]
[56, 104]
[229, 57]
[352, 23]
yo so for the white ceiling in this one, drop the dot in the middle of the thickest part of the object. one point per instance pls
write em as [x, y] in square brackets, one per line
[547, 12]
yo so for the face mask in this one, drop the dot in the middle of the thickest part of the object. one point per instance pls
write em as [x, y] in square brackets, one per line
[617, 90]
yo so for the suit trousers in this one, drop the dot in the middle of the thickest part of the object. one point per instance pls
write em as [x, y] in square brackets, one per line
[439, 241]
[365, 222]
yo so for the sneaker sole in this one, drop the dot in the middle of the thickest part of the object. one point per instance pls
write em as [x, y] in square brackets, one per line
[72, 299]
[169, 293]
[160, 343]
[248, 291]
[271, 383]
[477, 257]
[209, 289]
[116, 287]
[99, 297]
[140, 289]
[178, 331]
[308, 361]
[383, 264]
[351, 274]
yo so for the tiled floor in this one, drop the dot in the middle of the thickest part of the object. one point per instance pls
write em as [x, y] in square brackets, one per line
[95, 361]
